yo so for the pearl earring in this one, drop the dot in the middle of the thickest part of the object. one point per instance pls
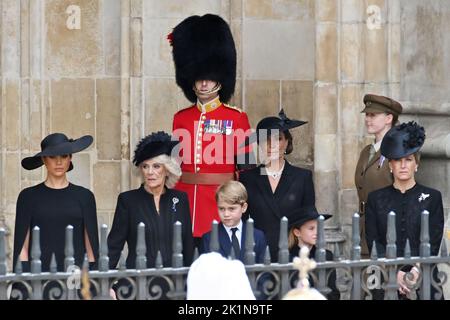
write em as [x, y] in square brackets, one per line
[390, 170]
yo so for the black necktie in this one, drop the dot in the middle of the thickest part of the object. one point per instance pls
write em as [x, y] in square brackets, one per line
[235, 242]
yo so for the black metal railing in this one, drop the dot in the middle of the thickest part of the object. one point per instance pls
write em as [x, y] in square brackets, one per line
[356, 278]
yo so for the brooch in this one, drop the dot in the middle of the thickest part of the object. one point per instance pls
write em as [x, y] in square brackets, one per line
[423, 196]
[175, 200]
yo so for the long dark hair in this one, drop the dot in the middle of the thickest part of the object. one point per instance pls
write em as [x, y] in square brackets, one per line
[288, 137]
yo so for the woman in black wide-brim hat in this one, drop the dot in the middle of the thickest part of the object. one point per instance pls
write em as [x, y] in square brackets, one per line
[276, 188]
[53, 205]
[407, 199]
[155, 204]
[303, 232]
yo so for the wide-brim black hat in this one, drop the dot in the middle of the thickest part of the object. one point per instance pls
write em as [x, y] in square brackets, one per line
[402, 140]
[305, 214]
[57, 144]
[153, 145]
[204, 49]
[269, 125]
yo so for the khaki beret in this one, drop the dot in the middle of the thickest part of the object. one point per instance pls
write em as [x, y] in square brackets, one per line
[378, 104]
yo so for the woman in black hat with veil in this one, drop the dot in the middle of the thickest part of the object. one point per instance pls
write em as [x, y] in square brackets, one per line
[408, 199]
[155, 204]
[276, 188]
[53, 205]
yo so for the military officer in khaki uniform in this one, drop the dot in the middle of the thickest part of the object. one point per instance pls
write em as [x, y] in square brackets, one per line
[372, 171]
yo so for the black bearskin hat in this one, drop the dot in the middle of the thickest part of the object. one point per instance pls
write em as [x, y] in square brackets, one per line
[203, 49]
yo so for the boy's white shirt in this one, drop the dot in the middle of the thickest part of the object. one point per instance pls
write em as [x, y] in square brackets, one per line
[238, 232]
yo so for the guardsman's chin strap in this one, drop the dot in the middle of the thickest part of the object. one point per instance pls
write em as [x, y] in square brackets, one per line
[213, 90]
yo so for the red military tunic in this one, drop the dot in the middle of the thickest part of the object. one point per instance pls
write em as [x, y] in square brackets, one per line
[210, 140]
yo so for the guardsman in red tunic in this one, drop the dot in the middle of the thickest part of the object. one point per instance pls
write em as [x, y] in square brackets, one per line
[210, 131]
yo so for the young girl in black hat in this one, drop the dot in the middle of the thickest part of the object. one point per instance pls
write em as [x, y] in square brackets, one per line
[303, 232]
[53, 205]
[276, 188]
[407, 199]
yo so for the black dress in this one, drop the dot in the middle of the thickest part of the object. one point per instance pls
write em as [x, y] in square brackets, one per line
[52, 210]
[295, 190]
[137, 206]
[334, 294]
[408, 207]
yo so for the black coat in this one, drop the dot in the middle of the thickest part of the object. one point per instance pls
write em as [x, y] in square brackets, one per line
[295, 190]
[334, 294]
[52, 210]
[137, 206]
[408, 207]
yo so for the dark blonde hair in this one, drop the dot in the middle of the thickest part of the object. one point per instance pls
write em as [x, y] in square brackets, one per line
[417, 157]
[232, 192]
[292, 238]
[394, 119]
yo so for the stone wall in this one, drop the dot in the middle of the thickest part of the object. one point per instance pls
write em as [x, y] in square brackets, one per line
[104, 67]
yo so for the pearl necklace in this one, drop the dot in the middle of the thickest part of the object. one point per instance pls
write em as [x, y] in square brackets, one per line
[275, 174]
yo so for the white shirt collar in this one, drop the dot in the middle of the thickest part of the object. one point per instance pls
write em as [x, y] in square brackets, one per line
[377, 145]
[238, 232]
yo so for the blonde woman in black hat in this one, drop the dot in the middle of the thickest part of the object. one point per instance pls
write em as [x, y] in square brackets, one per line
[210, 130]
[407, 199]
[155, 204]
[303, 232]
[276, 188]
[54, 204]
[372, 171]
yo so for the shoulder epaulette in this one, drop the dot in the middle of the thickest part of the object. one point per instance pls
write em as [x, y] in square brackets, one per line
[233, 107]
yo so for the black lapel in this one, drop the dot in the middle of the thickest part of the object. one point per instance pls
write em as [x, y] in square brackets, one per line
[263, 184]
[286, 180]
[243, 234]
[224, 240]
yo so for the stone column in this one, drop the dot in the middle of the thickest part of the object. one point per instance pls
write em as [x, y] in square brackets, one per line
[351, 126]
[369, 49]
[125, 94]
[10, 111]
[326, 142]
[137, 110]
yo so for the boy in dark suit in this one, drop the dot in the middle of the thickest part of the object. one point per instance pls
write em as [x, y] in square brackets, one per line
[231, 200]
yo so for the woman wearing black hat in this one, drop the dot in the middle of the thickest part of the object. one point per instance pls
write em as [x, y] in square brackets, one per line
[406, 198]
[54, 204]
[276, 188]
[155, 204]
[303, 232]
